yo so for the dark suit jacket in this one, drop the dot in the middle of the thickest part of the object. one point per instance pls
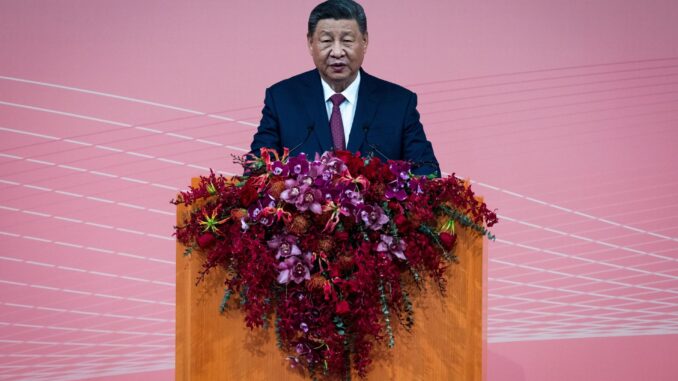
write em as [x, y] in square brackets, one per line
[386, 121]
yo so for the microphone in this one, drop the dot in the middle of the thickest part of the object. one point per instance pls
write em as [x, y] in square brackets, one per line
[431, 163]
[415, 165]
[366, 129]
[309, 130]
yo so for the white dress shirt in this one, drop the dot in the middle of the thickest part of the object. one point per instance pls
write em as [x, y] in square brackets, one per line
[347, 107]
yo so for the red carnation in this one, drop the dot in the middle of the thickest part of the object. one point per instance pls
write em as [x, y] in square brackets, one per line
[248, 194]
[341, 236]
[342, 308]
[343, 155]
[447, 240]
[400, 221]
[372, 170]
[353, 161]
[205, 240]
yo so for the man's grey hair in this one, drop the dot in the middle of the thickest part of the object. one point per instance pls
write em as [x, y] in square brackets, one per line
[338, 10]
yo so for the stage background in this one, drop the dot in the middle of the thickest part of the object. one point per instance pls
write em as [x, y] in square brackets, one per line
[564, 113]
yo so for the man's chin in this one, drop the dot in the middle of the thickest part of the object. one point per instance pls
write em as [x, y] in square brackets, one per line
[338, 77]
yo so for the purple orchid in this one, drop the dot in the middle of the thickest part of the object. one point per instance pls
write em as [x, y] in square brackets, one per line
[254, 212]
[302, 348]
[303, 351]
[295, 269]
[322, 181]
[286, 245]
[326, 176]
[346, 208]
[305, 180]
[401, 169]
[355, 198]
[373, 217]
[291, 192]
[279, 169]
[333, 164]
[416, 184]
[244, 225]
[395, 190]
[392, 245]
[310, 199]
[267, 217]
[332, 193]
[298, 165]
[317, 175]
[316, 169]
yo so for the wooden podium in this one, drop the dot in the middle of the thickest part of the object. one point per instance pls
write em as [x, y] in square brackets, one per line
[446, 342]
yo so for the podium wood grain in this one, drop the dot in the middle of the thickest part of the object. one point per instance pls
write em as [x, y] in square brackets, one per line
[446, 342]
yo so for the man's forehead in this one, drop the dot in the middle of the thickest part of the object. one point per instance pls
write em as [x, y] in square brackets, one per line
[348, 25]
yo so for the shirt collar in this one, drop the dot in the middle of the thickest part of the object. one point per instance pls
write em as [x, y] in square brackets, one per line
[351, 92]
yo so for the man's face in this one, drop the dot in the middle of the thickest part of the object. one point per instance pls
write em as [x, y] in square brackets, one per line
[338, 49]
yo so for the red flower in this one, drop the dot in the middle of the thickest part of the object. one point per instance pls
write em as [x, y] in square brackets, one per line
[372, 169]
[447, 240]
[343, 155]
[353, 162]
[248, 194]
[205, 240]
[342, 308]
[400, 221]
[341, 236]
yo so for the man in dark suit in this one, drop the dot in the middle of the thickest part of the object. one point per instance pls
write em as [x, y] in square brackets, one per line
[338, 105]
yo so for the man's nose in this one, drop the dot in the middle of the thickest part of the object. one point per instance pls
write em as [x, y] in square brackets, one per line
[337, 50]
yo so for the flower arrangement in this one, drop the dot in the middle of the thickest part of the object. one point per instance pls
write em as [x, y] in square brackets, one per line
[325, 249]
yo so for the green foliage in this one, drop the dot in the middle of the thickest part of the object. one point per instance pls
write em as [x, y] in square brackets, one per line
[224, 301]
[415, 275]
[341, 328]
[436, 239]
[276, 324]
[409, 311]
[243, 296]
[466, 221]
[387, 315]
[211, 189]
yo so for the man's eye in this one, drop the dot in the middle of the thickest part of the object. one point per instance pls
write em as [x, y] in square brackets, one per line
[325, 41]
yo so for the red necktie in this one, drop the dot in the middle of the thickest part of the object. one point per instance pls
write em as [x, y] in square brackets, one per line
[336, 124]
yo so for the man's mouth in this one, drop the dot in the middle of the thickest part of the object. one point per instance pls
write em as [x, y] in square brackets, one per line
[337, 67]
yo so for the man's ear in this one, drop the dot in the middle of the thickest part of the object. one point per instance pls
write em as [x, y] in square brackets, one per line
[366, 40]
[309, 44]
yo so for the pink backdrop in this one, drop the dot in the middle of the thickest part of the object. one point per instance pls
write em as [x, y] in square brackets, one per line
[564, 113]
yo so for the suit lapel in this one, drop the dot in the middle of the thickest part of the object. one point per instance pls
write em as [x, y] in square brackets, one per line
[315, 106]
[364, 113]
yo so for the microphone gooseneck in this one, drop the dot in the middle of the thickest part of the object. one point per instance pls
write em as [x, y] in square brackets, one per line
[366, 129]
[309, 131]
[415, 165]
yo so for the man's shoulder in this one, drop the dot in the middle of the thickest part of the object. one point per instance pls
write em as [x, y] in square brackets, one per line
[303, 79]
[381, 85]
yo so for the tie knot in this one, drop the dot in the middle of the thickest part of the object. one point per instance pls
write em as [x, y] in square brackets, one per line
[337, 99]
